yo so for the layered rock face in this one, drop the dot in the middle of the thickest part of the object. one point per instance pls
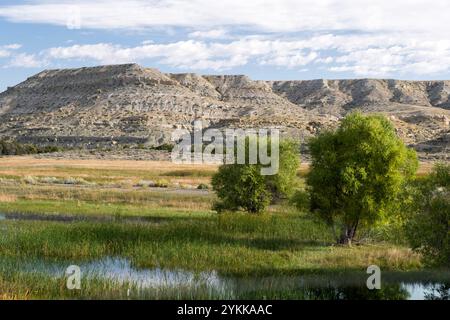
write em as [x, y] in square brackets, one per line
[420, 110]
[128, 104]
[342, 94]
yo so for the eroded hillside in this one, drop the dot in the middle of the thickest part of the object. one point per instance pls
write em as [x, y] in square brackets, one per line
[126, 104]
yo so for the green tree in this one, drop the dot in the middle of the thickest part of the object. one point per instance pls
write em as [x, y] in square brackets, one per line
[357, 173]
[282, 185]
[428, 227]
[242, 186]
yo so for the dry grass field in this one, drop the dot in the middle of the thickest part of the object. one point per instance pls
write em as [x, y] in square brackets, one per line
[30, 166]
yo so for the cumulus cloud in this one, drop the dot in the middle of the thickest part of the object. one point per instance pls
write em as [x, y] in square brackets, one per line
[6, 50]
[378, 38]
[361, 55]
[195, 54]
[24, 60]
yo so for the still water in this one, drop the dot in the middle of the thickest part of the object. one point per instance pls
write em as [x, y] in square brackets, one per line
[143, 283]
[212, 285]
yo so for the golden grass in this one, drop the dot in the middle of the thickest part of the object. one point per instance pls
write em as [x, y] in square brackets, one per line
[29, 161]
[151, 198]
[5, 296]
[114, 180]
[8, 296]
[425, 168]
[8, 198]
[106, 172]
[27, 165]
[398, 258]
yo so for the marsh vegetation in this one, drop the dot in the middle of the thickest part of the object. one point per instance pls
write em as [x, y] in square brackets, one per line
[172, 229]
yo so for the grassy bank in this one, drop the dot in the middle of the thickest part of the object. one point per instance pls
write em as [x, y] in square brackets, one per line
[276, 243]
[279, 244]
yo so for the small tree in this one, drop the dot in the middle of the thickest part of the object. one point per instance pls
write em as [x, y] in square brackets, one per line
[428, 228]
[282, 185]
[242, 186]
[357, 172]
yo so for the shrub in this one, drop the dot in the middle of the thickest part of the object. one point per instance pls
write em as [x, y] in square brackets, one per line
[75, 181]
[12, 148]
[185, 186]
[164, 147]
[242, 186]
[357, 173]
[30, 180]
[146, 183]
[162, 183]
[49, 149]
[202, 186]
[428, 228]
[301, 200]
[50, 180]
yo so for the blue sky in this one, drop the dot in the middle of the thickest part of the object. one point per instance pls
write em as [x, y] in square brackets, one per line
[284, 39]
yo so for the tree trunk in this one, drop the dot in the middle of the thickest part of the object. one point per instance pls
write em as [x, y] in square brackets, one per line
[348, 234]
[346, 238]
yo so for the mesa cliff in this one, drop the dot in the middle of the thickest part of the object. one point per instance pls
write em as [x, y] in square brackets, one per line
[130, 104]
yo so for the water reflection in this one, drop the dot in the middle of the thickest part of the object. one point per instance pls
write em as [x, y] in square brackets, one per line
[438, 292]
[211, 285]
[120, 271]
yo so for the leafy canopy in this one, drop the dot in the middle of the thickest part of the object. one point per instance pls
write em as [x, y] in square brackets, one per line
[242, 186]
[428, 228]
[357, 172]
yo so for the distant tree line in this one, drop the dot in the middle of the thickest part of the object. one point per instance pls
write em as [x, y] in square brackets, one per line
[14, 148]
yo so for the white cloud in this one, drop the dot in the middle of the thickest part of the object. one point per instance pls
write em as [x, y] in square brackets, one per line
[23, 60]
[211, 34]
[362, 55]
[291, 61]
[14, 46]
[193, 54]
[6, 50]
[4, 53]
[359, 37]
[261, 15]
[326, 60]
[184, 54]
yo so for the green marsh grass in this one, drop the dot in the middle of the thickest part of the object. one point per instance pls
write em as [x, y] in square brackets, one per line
[235, 244]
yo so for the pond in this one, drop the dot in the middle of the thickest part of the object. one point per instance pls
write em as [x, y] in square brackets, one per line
[145, 283]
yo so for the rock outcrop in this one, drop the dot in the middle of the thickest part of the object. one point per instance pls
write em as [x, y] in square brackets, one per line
[129, 104]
